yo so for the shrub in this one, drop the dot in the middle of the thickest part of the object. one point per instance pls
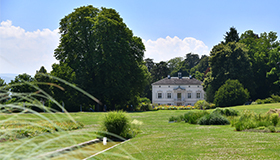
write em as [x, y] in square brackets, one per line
[172, 118]
[275, 119]
[213, 119]
[202, 104]
[259, 101]
[116, 123]
[176, 119]
[230, 94]
[272, 99]
[242, 125]
[226, 111]
[249, 120]
[275, 98]
[212, 106]
[193, 116]
[271, 128]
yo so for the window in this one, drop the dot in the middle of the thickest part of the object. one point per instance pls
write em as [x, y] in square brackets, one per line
[189, 95]
[159, 95]
[168, 95]
[197, 95]
[169, 104]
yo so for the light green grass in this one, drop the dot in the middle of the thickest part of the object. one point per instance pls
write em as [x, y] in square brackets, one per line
[159, 139]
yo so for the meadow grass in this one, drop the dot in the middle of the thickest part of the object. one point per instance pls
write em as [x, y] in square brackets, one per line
[158, 140]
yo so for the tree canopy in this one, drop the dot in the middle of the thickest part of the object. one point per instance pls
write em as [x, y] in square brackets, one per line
[105, 56]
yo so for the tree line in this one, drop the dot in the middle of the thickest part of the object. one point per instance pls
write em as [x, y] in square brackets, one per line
[99, 54]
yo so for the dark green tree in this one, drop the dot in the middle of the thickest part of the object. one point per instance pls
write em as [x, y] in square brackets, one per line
[230, 61]
[23, 83]
[203, 64]
[231, 36]
[274, 73]
[160, 71]
[192, 60]
[62, 92]
[3, 91]
[231, 93]
[104, 54]
[174, 63]
[149, 64]
[261, 49]
[185, 66]
[43, 82]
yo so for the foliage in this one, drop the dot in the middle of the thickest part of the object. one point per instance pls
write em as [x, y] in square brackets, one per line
[105, 56]
[226, 111]
[192, 117]
[145, 104]
[213, 119]
[176, 118]
[263, 50]
[231, 36]
[23, 129]
[250, 120]
[22, 84]
[272, 99]
[202, 104]
[65, 94]
[230, 61]
[174, 63]
[275, 119]
[230, 94]
[4, 95]
[184, 66]
[167, 107]
[159, 71]
[117, 123]
[43, 81]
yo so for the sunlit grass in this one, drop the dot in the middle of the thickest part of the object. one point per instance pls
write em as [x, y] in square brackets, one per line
[158, 138]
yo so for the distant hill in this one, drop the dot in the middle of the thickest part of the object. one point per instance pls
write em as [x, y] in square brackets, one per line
[8, 77]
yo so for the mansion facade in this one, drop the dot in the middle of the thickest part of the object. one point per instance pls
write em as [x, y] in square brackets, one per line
[179, 91]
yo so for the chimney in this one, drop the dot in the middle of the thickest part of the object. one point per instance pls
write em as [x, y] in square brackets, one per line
[179, 75]
[168, 76]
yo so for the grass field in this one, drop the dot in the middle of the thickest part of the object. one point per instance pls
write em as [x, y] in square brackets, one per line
[158, 140]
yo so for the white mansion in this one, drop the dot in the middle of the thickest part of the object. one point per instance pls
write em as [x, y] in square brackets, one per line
[177, 91]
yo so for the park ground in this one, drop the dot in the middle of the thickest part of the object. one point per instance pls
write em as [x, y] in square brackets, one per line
[159, 139]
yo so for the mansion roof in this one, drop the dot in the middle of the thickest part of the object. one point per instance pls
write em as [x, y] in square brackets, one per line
[177, 81]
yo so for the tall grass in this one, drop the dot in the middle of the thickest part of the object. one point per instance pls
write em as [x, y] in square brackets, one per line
[251, 120]
[28, 134]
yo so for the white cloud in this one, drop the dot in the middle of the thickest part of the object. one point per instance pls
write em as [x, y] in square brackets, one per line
[168, 48]
[26, 52]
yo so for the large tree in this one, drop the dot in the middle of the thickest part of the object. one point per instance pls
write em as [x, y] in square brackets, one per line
[43, 82]
[160, 71]
[64, 93]
[262, 50]
[230, 61]
[3, 91]
[105, 55]
[23, 87]
[231, 36]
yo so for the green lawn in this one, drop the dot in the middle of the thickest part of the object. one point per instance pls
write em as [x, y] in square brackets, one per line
[158, 140]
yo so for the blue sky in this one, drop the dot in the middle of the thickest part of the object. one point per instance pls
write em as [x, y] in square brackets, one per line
[169, 29]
